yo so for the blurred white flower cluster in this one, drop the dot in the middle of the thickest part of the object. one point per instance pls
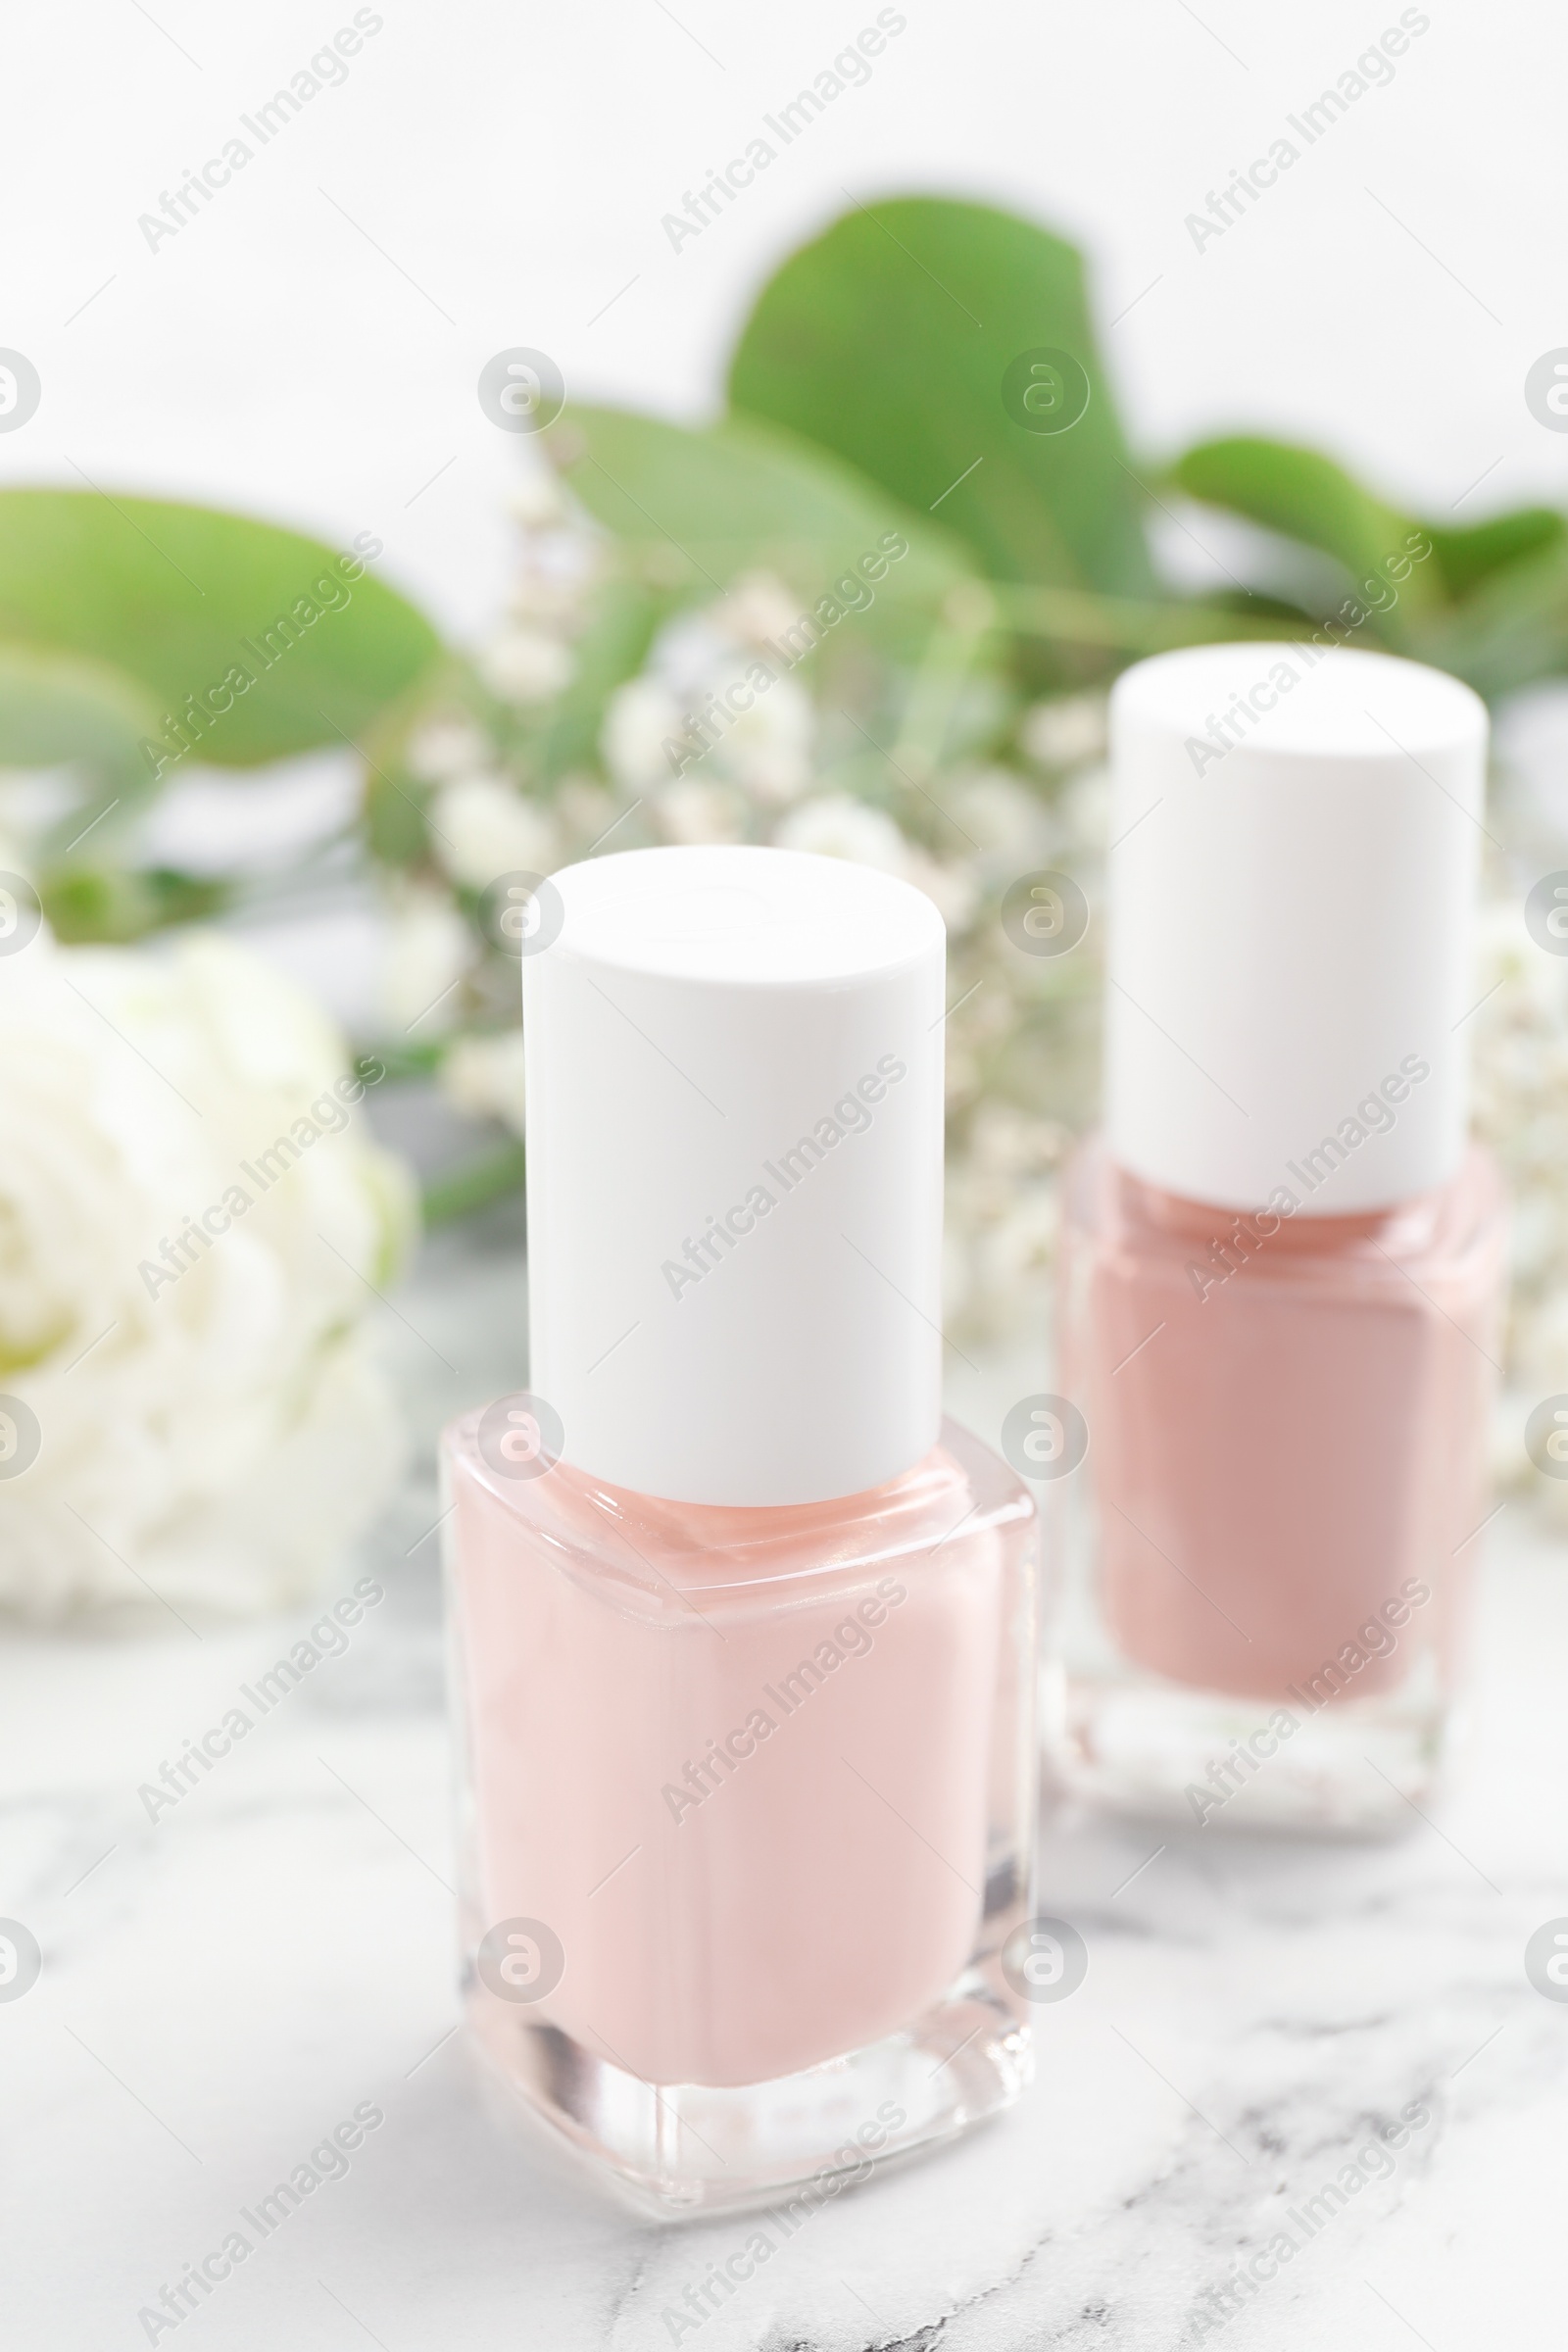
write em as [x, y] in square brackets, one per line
[192, 1229]
[1521, 1109]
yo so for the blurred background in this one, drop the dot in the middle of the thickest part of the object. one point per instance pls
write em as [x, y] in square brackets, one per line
[413, 430]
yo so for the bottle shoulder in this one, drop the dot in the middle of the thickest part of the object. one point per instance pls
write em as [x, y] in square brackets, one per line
[960, 1496]
[1459, 1228]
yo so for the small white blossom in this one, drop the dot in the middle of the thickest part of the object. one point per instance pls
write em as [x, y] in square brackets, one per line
[953, 889]
[429, 949]
[758, 610]
[768, 749]
[587, 812]
[1003, 816]
[1085, 808]
[526, 666]
[536, 499]
[643, 717]
[483, 828]
[1064, 732]
[447, 747]
[837, 826]
[692, 813]
[484, 1076]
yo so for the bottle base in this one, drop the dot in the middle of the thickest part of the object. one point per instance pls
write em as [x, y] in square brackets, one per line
[685, 2150]
[1352, 1768]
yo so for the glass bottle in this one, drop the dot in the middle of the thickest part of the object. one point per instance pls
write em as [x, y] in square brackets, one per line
[747, 1804]
[742, 1632]
[1282, 1264]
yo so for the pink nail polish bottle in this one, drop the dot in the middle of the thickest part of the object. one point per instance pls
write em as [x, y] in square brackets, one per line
[741, 1630]
[1283, 1260]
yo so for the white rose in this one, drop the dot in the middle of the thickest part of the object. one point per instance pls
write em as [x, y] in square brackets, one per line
[192, 1231]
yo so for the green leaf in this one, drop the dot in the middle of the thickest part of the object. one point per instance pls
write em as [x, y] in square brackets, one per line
[887, 341]
[1468, 558]
[612, 649]
[1488, 601]
[1509, 632]
[694, 510]
[1305, 496]
[1298, 492]
[179, 595]
[111, 902]
[58, 710]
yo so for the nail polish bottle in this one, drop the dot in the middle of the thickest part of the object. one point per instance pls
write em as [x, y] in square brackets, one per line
[741, 1630]
[1283, 1260]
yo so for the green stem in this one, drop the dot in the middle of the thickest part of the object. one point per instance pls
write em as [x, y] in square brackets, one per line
[474, 1186]
[1084, 619]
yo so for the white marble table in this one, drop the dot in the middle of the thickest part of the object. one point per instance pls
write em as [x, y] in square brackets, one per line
[224, 1986]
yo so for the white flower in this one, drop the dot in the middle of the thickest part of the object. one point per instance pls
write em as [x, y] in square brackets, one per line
[484, 1076]
[483, 828]
[586, 811]
[1004, 1140]
[837, 826]
[536, 499]
[552, 584]
[429, 949]
[692, 653]
[953, 890]
[526, 666]
[693, 813]
[446, 747]
[1065, 732]
[757, 608]
[642, 720]
[1086, 807]
[192, 1227]
[767, 747]
[1003, 816]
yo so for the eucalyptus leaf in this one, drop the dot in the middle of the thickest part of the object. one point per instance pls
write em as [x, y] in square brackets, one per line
[888, 340]
[695, 509]
[1488, 601]
[57, 709]
[610, 650]
[1466, 559]
[1510, 632]
[1307, 497]
[179, 598]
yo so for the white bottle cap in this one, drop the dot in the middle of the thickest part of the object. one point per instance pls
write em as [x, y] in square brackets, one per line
[1295, 842]
[734, 1121]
